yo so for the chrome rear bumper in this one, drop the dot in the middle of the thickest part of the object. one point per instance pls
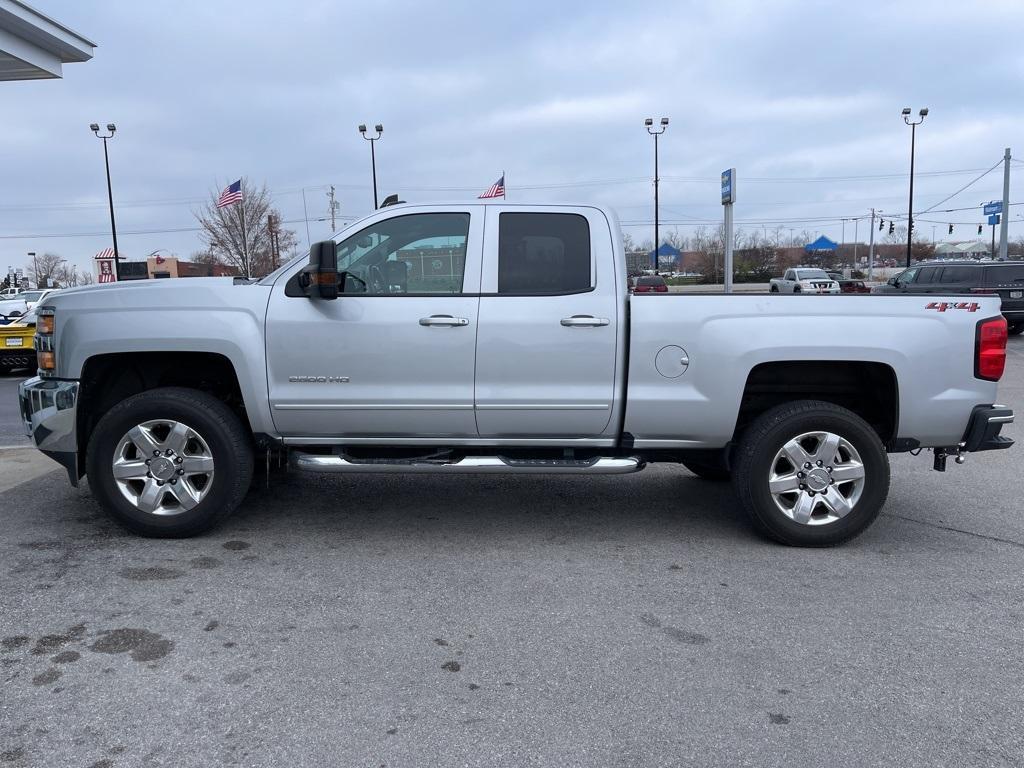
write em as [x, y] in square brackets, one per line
[49, 410]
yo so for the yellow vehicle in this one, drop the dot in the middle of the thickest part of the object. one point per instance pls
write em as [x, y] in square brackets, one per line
[16, 350]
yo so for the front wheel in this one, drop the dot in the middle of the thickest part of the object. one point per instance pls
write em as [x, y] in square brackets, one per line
[170, 462]
[810, 473]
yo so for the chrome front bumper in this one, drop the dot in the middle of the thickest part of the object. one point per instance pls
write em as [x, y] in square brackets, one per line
[49, 410]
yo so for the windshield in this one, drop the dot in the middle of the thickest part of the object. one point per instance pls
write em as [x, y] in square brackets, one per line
[30, 295]
[812, 274]
[650, 281]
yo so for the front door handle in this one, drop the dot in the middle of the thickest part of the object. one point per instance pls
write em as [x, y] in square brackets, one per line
[448, 320]
[584, 321]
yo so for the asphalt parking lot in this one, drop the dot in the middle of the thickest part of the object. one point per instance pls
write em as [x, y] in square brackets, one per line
[514, 621]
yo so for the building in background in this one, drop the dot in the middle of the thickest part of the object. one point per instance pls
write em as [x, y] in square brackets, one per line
[35, 47]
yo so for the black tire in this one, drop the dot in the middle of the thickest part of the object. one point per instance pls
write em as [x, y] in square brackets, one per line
[774, 289]
[228, 440]
[714, 472]
[757, 452]
[797, 289]
[1015, 329]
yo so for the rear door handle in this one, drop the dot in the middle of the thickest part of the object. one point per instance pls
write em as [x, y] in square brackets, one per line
[447, 320]
[584, 321]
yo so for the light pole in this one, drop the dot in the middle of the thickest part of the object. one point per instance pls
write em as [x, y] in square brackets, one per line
[373, 156]
[910, 208]
[110, 195]
[648, 123]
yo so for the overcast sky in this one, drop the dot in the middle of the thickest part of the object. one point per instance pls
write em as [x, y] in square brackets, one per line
[799, 96]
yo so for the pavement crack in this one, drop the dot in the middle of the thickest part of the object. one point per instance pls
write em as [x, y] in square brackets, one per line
[950, 528]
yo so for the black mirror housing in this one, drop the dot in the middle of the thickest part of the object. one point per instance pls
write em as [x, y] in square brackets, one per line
[323, 260]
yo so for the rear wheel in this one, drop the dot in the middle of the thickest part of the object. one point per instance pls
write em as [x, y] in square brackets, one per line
[810, 473]
[1015, 329]
[170, 462]
[774, 289]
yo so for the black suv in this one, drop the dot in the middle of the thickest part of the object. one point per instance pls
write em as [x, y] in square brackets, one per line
[1004, 278]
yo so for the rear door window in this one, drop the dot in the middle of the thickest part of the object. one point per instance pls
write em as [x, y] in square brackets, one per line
[928, 275]
[959, 275]
[544, 254]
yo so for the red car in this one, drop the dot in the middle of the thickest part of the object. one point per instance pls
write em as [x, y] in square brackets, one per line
[852, 286]
[648, 284]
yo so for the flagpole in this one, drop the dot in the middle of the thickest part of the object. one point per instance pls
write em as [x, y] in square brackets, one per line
[245, 244]
[504, 188]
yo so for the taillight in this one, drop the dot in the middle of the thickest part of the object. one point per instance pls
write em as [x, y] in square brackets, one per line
[990, 349]
[661, 288]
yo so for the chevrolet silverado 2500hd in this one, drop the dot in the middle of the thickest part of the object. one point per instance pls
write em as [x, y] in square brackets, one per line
[494, 337]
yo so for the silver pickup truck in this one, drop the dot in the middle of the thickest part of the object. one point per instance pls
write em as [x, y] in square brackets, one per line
[491, 337]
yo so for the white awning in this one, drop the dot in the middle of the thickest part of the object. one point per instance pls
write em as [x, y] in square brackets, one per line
[33, 46]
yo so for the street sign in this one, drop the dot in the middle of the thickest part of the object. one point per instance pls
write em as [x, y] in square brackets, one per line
[993, 207]
[729, 186]
[993, 220]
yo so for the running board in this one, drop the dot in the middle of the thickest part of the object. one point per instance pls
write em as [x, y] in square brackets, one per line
[605, 465]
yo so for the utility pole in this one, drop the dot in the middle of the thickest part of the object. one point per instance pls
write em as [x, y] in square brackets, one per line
[272, 231]
[856, 228]
[333, 205]
[1004, 222]
[871, 247]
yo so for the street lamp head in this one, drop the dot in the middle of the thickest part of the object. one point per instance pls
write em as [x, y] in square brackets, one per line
[648, 122]
[362, 128]
[94, 127]
[906, 111]
[378, 128]
[664, 121]
[111, 127]
[923, 112]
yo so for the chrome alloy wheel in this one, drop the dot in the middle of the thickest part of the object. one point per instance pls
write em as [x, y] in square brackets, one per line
[163, 467]
[816, 478]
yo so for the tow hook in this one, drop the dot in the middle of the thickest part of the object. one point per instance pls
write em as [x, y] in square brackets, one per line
[939, 464]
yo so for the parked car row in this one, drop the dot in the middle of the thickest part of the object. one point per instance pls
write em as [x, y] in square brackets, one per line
[18, 304]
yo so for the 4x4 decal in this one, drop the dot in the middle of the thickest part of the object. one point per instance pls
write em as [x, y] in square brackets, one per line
[942, 306]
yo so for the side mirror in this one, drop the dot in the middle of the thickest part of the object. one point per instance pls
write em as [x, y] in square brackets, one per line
[894, 282]
[323, 261]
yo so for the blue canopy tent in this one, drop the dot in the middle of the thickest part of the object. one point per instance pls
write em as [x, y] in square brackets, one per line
[822, 244]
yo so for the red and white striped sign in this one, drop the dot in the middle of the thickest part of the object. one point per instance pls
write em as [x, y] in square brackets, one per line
[105, 271]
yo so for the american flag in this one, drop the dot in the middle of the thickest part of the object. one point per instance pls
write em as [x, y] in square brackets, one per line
[497, 189]
[232, 194]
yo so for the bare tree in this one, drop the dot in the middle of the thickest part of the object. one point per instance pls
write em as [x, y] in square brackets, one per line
[239, 236]
[44, 268]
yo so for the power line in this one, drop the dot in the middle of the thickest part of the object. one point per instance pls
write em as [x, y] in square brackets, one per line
[965, 186]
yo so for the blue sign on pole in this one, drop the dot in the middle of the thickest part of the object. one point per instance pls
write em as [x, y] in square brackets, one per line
[993, 208]
[993, 219]
[729, 186]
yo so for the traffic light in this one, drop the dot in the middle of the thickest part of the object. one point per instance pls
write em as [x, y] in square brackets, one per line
[950, 229]
[979, 228]
[892, 227]
[881, 223]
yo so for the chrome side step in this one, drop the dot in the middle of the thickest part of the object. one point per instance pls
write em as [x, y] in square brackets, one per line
[604, 465]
